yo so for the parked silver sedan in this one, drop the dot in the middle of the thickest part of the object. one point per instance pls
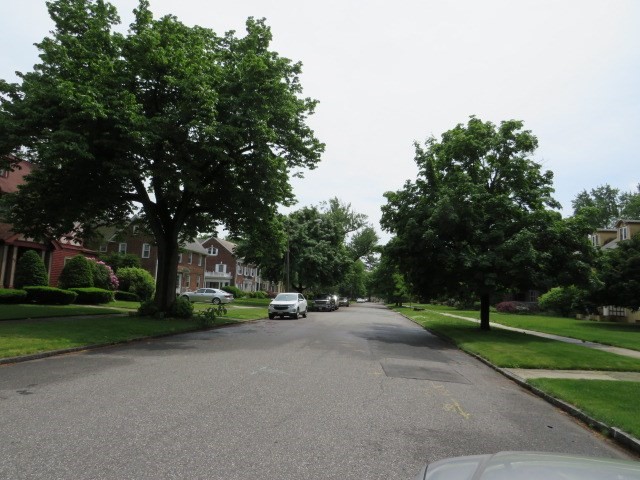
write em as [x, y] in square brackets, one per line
[212, 295]
[288, 305]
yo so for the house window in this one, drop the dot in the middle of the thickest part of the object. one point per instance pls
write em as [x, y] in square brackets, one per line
[239, 269]
[246, 271]
[4, 173]
[134, 229]
[187, 281]
[146, 250]
[190, 257]
[198, 282]
[122, 248]
[179, 258]
[212, 251]
[199, 260]
[103, 247]
[624, 233]
[221, 268]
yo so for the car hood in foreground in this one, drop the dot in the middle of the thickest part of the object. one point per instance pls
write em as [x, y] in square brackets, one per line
[530, 466]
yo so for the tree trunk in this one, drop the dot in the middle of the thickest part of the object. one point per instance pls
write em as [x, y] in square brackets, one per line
[485, 300]
[167, 272]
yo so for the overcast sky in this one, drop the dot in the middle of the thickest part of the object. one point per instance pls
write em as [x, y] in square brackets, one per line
[391, 73]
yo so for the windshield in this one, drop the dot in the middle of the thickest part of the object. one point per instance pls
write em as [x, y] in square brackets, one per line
[286, 297]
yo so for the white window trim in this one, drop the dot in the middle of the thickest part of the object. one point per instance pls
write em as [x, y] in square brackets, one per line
[120, 247]
[179, 258]
[146, 249]
[103, 247]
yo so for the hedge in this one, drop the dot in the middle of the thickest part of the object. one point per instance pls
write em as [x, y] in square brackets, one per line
[10, 295]
[126, 296]
[92, 295]
[50, 295]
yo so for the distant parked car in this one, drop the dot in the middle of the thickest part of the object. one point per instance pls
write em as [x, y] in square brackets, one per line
[336, 302]
[324, 302]
[360, 300]
[288, 305]
[343, 302]
[212, 295]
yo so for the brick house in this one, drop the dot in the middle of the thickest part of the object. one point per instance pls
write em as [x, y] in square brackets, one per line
[13, 245]
[224, 268]
[191, 260]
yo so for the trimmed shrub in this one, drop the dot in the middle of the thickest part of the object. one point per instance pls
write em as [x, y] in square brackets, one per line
[92, 295]
[181, 308]
[517, 307]
[563, 300]
[10, 295]
[30, 271]
[77, 273]
[103, 276]
[50, 295]
[258, 294]
[137, 281]
[148, 309]
[126, 296]
[235, 291]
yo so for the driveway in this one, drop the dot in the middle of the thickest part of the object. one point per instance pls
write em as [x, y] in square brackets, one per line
[357, 393]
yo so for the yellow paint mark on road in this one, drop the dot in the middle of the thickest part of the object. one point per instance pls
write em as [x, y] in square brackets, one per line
[456, 408]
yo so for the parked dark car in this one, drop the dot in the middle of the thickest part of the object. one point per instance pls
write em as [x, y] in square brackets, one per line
[343, 302]
[324, 302]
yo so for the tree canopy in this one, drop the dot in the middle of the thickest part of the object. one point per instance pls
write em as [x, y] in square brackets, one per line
[192, 128]
[479, 218]
[604, 205]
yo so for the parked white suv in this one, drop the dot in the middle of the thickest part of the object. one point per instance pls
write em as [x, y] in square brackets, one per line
[288, 305]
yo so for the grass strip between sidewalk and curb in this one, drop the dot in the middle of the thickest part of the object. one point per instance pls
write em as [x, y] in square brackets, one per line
[26, 311]
[45, 332]
[625, 335]
[508, 349]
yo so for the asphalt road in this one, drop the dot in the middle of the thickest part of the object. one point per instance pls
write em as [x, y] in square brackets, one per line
[361, 393]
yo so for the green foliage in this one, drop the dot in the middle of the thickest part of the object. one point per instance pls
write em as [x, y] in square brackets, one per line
[257, 294]
[354, 283]
[564, 300]
[193, 128]
[181, 308]
[620, 274]
[604, 205]
[235, 291]
[30, 271]
[149, 308]
[387, 282]
[516, 307]
[601, 206]
[92, 296]
[121, 260]
[137, 281]
[77, 273]
[10, 295]
[478, 219]
[50, 295]
[126, 296]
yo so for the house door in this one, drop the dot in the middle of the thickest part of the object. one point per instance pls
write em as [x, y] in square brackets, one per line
[179, 284]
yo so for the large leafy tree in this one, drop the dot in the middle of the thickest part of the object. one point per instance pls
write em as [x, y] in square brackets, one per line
[619, 273]
[191, 128]
[604, 205]
[478, 218]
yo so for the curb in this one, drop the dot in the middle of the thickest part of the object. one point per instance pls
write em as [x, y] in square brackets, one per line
[619, 436]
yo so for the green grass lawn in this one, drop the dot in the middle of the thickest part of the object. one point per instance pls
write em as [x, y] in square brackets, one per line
[626, 335]
[252, 302]
[509, 349]
[236, 311]
[8, 312]
[611, 402]
[22, 337]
